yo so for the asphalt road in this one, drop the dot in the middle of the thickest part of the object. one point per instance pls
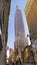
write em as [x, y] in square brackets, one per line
[28, 64]
[24, 64]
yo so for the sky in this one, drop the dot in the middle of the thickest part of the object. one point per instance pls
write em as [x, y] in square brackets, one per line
[11, 32]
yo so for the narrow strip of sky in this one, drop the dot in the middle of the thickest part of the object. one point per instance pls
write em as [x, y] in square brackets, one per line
[21, 4]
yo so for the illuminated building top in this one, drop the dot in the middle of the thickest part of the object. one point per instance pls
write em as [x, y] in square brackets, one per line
[20, 40]
[19, 26]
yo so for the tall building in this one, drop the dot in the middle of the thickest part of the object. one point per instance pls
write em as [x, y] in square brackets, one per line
[19, 26]
[4, 16]
[31, 16]
[20, 40]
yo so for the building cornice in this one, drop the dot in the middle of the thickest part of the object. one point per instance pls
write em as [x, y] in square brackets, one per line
[28, 6]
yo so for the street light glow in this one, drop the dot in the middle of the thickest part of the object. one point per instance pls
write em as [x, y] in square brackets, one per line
[7, 61]
[29, 43]
[0, 30]
[7, 53]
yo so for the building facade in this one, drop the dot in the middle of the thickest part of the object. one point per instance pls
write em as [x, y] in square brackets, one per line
[12, 55]
[31, 16]
[4, 14]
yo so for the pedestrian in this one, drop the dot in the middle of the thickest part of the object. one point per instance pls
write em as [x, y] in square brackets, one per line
[12, 63]
[19, 61]
[7, 64]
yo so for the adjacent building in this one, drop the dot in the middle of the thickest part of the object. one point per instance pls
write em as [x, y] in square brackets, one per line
[12, 55]
[31, 16]
[4, 16]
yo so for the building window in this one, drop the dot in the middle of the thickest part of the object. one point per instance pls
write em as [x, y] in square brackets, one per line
[0, 43]
[7, 0]
[3, 17]
[36, 52]
[0, 26]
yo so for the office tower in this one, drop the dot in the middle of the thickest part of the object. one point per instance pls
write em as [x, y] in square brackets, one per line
[20, 40]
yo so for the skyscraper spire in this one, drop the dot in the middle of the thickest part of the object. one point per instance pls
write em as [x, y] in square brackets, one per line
[16, 6]
[19, 26]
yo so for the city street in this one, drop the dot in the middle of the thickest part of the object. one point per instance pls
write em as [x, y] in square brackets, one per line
[27, 64]
[24, 64]
[18, 32]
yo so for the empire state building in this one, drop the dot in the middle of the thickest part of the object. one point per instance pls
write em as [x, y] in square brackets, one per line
[19, 30]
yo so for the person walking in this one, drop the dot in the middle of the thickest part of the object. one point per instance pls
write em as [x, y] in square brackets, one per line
[12, 63]
[19, 61]
[7, 64]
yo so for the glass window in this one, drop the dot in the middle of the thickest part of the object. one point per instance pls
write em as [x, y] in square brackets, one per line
[0, 25]
[7, 0]
[0, 43]
[36, 52]
[3, 17]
